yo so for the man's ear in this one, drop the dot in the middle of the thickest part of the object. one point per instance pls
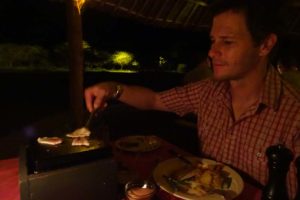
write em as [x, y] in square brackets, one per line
[268, 44]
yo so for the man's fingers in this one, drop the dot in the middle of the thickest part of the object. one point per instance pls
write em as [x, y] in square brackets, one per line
[89, 99]
[94, 98]
[99, 103]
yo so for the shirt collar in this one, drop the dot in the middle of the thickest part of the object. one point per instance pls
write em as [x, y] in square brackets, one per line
[222, 92]
[271, 93]
[272, 90]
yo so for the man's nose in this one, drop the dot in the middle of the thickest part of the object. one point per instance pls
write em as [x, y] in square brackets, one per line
[214, 51]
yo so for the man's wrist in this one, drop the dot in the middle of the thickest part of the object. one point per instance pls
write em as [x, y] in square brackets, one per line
[117, 91]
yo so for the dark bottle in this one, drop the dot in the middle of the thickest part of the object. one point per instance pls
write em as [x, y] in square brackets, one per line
[279, 159]
[298, 177]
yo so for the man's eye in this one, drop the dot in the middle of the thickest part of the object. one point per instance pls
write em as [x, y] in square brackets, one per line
[228, 42]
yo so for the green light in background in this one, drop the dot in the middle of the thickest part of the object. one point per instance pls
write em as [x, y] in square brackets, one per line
[122, 58]
[162, 61]
[85, 45]
[135, 63]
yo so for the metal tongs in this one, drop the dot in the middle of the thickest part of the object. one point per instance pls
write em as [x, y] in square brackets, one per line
[93, 114]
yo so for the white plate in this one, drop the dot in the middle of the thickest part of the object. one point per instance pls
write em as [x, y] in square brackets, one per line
[138, 143]
[168, 166]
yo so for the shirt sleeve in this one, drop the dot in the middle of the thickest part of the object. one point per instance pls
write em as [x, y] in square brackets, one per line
[185, 99]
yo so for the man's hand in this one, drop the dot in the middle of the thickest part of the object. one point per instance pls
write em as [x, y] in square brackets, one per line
[97, 95]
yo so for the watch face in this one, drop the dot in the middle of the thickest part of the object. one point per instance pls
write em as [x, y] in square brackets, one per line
[118, 92]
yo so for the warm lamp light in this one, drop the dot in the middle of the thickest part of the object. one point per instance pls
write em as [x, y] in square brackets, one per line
[79, 4]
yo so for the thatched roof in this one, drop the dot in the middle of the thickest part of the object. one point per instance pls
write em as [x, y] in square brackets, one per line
[186, 14]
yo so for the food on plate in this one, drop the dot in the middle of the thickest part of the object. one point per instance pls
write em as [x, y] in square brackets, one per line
[80, 132]
[80, 141]
[49, 140]
[200, 179]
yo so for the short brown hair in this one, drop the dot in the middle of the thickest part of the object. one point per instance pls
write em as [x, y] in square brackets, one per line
[263, 17]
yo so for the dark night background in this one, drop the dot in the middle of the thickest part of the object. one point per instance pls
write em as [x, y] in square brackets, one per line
[30, 97]
[32, 22]
[43, 22]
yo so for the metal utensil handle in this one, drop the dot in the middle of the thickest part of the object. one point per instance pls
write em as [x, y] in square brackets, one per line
[88, 122]
[180, 157]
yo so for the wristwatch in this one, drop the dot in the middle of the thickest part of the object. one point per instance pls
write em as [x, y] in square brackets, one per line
[118, 92]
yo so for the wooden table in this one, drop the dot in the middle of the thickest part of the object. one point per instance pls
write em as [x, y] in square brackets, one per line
[144, 164]
[140, 163]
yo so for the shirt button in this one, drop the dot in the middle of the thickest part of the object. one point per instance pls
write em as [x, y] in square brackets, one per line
[259, 154]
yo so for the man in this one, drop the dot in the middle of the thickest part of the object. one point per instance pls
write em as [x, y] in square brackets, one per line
[245, 107]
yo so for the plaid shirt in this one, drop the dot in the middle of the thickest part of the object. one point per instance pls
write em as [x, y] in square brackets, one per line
[242, 143]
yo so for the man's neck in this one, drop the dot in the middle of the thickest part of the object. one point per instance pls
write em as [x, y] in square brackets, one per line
[250, 86]
[247, 91]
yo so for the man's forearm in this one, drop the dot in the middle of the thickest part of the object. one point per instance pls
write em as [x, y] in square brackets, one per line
[141, 97]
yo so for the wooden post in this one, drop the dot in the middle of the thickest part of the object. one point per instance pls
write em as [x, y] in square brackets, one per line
[75, 62]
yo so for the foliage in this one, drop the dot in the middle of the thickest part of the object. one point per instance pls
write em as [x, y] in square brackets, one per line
[94, 59]
[14, 55]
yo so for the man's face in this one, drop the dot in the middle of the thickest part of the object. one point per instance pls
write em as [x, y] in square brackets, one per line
[233, 53]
